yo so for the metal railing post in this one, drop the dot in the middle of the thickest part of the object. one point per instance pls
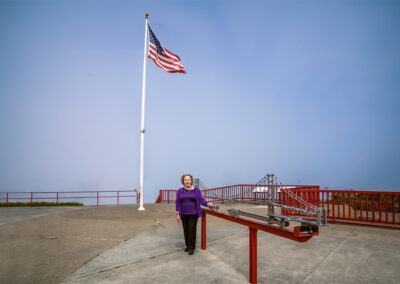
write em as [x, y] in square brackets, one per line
[118, 198]
[97, 198]
[203, 231]
[333, 208]
[319, 216]
[380, 208]
[373, 208]
[57, 198]
[31, 199]
[253, 255]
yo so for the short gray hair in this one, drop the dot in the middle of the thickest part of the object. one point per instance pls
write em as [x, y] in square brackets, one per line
[187, 175]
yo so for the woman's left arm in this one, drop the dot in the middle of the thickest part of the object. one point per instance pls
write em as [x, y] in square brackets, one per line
[203, 201]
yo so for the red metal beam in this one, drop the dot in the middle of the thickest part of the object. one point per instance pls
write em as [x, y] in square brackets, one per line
[254, 226]
[294, 235]
[253, 255]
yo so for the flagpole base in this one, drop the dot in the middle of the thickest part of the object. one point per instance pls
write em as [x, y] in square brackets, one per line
[141, 208]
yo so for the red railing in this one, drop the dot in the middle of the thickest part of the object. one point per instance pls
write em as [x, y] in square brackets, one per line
[345, 206]
[65, 195]
[238, 192]
[350, 206]
[166, 196]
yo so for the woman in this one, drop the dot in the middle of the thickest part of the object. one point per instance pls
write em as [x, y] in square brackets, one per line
[187, 203]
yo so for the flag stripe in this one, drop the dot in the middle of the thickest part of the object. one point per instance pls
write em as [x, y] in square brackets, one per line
[167, 69]
[153, 50]
[169, 53]
[164, 64]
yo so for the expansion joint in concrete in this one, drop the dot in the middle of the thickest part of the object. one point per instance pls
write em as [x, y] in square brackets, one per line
[123, 265]
[159, 223]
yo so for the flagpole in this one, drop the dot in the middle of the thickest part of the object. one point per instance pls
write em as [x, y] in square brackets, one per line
[142, 124]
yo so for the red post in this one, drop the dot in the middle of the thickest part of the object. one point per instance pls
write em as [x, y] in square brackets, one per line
[118, 198]
[97, 198]
[361, 207]
[57, 198]
[31, 199]
[373, 208]
[333, 208]
[348, 203]
[380, 208]
[344, 207]
[387, 209]
[203, 231]
[355, 206]
[367, 196]
[327, 201]
[393, 211]
[253, 255]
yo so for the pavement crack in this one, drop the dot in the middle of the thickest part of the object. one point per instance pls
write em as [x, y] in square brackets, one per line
[159, 223]
[224, 237]
[124, 265]
[326, 256]
[147, 259]
[54, 237]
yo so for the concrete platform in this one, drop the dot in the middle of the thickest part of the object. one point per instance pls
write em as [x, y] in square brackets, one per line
[351, 255]
[15, 214]
[119, 244]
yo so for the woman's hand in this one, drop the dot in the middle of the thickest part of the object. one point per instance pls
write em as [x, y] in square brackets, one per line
[178, 218]
[209, 204]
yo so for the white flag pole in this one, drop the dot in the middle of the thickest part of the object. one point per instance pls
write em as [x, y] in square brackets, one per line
[142, 124]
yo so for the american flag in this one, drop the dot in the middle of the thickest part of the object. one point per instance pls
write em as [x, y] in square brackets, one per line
[162, 57]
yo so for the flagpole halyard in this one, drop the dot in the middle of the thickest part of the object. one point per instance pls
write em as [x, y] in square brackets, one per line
[142, 121]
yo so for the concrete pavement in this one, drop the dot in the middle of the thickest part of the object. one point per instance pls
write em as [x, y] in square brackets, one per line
[111, 244]
[341, 254]
[15, 214]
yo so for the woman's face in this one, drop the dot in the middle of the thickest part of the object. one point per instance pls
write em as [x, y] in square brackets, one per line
[187, 181]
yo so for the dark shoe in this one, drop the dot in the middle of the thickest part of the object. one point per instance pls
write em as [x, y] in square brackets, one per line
[186, 249]
[191, 251]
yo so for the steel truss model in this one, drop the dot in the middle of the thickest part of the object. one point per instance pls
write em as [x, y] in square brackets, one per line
[269, 187]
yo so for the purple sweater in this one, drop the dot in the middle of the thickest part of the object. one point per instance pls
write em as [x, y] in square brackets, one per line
[199, 201]
[188, 202]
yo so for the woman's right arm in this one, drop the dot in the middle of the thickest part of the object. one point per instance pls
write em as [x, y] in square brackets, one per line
[177, 207]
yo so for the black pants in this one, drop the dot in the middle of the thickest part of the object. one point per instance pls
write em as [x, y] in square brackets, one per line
[189, 223]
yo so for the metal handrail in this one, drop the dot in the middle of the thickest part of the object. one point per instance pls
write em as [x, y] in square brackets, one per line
[57, 196]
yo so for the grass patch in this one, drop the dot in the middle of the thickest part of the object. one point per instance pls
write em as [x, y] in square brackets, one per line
[39, 204]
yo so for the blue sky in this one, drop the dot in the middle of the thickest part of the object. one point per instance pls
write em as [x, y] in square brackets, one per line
[308, 90]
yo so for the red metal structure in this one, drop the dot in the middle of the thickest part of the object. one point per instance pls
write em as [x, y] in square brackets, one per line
[294, 200]
[66, 195]
[344, 206]
[254, 226]
[350, 206]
